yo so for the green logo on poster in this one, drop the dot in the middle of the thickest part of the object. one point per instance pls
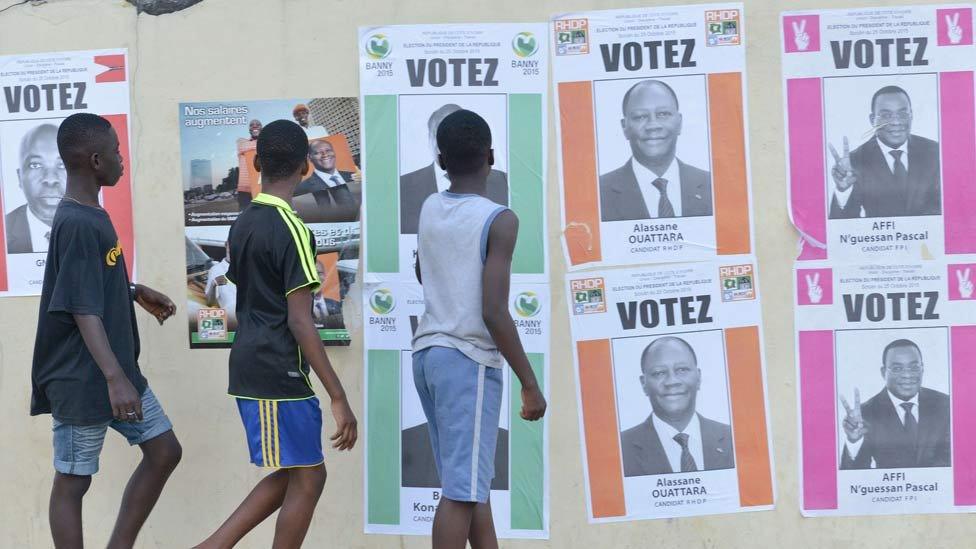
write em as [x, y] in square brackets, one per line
[382, 302]
[527, 304]
[524, 44]
[377, 46]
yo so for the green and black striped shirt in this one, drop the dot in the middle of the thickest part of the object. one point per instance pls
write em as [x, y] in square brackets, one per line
[272, 254]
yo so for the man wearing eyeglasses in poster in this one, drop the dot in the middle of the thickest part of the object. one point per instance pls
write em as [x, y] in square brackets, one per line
[905, 425]
[893, 174]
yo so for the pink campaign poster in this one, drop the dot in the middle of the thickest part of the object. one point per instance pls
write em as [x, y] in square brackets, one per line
[881, 131]
[884, 353]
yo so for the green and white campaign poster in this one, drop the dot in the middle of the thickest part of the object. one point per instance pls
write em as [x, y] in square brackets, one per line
[411, 78]
[401, 483]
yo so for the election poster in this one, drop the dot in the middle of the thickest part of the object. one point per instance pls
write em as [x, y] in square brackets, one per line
[652, 126]
[414, 76]
[884, 354]
[218, 142]
[402, 485]
[671, 389]
[39, 91]
[880, 125]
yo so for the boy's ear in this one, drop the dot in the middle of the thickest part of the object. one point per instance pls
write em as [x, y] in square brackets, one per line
[305, 169]
[257, 164]
[491, 157]
[440, 161]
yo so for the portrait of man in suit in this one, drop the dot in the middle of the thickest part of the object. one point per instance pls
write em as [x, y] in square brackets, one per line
[654, 183]
[335, 192]
[904, 425]
[674, 437]
[43, 180]
[418, 467]
[417, 185]
[895, 173]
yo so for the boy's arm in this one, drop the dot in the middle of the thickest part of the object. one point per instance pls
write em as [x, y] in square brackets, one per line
[155, 303]
[301, 326]
[497, 278]
[125, 401]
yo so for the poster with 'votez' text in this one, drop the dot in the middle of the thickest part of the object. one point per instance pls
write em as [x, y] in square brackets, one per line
[652, 126]
[881, 131]
[39, 92]
[414, 76]
[884, 357]
[671, 389]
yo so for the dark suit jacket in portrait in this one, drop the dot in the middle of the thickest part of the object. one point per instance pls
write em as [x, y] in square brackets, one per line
[18, 231]
[643, 453]
[621, 198]
[335, 204]
[416, 186]
[887, 442]
[881, 195]
[419, 469]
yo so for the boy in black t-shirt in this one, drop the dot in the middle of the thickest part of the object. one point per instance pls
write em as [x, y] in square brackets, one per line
[85, 370]
[273, 266]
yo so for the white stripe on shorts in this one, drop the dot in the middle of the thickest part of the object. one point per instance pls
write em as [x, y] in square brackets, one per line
[479, 401]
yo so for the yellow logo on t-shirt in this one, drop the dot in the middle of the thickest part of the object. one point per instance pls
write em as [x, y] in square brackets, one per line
[112, 257]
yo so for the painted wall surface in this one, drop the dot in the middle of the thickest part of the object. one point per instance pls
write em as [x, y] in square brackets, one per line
[237, 49]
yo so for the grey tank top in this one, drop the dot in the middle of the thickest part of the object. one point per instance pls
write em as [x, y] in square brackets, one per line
[452, 243]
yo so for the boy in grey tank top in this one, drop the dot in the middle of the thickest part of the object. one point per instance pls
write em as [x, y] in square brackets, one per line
[464, 260]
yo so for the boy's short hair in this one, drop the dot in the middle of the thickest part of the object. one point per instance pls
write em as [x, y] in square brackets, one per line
[282, 148]
[464, 140]
[80, 135]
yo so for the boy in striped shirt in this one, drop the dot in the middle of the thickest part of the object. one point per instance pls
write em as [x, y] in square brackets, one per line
[275, 348]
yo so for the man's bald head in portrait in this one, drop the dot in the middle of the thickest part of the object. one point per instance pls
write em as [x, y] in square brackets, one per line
[41, 171]
[671, 378]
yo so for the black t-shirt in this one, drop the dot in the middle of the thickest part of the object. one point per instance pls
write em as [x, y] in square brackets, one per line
[272, 254]
[85, 274]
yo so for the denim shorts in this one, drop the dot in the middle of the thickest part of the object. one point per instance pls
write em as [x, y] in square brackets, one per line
[77, 447]
[462, 401]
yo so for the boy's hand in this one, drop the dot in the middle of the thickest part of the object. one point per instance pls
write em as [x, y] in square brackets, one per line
[125, 401]
[533, 403]
[155, 303]
[346, 431]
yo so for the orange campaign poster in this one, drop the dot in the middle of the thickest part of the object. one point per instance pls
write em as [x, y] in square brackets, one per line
[672, 392]
[219, 143]
[652, 126]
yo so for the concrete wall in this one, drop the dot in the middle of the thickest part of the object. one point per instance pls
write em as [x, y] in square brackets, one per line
[238, 49]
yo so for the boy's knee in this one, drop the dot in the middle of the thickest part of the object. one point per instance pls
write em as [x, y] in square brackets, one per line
[71, 486]
[164, 452]
[311, 479]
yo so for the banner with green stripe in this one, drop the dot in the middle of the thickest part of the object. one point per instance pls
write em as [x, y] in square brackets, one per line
[411, 78]
[402, 485]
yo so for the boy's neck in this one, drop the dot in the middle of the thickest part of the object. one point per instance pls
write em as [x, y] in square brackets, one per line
[82, 188]
[284, 190]
[468, 185]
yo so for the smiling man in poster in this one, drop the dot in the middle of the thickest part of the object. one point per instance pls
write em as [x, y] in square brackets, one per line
[654, 183]
[905, 424]
[895, 173]
[675, 437]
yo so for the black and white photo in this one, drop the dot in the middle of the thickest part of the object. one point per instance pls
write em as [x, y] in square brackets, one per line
[653, 149]
[686, 428]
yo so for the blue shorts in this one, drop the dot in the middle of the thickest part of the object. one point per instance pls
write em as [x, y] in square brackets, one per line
[462, 401]
[283, 433]
[77, 447]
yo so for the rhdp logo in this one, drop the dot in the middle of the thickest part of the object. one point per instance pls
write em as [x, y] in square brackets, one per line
[524, 44]
[112, 257]
[382, 302]
[377, 46]
[527, 304]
